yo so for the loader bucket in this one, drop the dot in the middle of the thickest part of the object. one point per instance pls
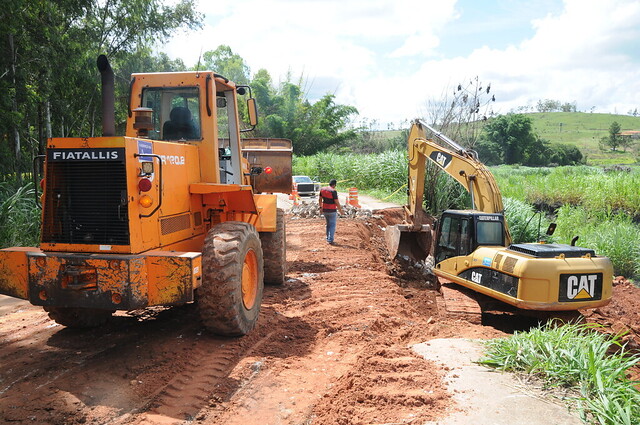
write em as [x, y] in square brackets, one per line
[403, 240]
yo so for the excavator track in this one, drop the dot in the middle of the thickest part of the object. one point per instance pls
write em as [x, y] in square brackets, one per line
[458, 302]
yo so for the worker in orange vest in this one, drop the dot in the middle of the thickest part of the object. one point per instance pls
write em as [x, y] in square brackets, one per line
[329, 204]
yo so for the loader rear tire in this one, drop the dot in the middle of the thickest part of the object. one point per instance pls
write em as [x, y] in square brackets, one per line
[232, 279]
[274, 250]
[73, 317]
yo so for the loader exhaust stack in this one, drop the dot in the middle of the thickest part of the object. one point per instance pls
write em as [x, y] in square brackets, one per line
[108, 97]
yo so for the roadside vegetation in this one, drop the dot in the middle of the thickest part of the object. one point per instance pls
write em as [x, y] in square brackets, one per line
[601, 207]
[19, 215]
[591, 365]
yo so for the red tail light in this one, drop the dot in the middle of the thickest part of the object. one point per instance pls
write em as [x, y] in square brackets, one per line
[144, 185]
[268, 170]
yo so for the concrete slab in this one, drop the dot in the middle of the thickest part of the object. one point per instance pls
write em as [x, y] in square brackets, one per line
[487, 397]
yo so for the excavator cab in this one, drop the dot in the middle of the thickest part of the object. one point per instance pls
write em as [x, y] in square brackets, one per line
[459, 233]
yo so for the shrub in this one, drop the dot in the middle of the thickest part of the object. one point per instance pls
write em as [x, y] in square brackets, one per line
[612, 235]
[574, 356]
[19, 215]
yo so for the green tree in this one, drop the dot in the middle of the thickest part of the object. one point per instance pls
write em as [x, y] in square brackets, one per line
[323, 125]
[513, 135]
[614, 139]
[224, 62]
[626, 142]
[548, 105]
[563, 154]
[286, 112]
[47, 63]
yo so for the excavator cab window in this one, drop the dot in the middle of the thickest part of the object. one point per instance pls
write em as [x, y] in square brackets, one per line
[489, 233]
[176, 112]
[455, 237]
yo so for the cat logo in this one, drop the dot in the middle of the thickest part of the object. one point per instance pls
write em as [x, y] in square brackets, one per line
[580, 287]
[443, 159]
[476, 277]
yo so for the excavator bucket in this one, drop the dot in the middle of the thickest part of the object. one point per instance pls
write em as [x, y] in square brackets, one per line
[404, 240]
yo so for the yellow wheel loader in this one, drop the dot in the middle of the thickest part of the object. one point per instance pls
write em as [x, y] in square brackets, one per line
[473, 247]
[164, 215]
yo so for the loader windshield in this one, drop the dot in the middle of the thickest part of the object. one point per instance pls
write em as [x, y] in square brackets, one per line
[176, 112]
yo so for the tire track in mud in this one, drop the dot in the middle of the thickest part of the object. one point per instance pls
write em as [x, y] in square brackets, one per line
[47, 365]
[203, 382]
[187, 392]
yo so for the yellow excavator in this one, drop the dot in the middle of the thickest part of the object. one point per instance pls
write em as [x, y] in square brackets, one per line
[473, 247]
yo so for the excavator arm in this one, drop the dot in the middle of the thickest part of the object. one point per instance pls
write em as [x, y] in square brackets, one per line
[459, 163]
[413, 238]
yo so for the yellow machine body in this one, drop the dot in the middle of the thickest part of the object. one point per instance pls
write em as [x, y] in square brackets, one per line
[530, 283]
[473, 247]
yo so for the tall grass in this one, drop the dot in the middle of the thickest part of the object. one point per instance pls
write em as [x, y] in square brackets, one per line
[609, 234]
[590, 187]
[367, 171]
[19, 215]
[524, 223]
[574, 356]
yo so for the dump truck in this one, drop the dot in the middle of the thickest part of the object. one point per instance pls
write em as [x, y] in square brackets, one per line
[164, 215]
[473, 248]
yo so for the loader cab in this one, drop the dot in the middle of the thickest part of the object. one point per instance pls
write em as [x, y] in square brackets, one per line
[176, 112]
[462, 232]
[196, 108]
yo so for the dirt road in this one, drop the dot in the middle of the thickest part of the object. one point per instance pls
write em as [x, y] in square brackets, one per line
[331, 347]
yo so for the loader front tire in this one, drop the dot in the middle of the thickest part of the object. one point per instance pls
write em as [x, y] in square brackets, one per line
[73, 317]
[232, 279]
[274, 250]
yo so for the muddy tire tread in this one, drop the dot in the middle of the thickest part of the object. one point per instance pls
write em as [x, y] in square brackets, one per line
[274, 248]
[219, 298]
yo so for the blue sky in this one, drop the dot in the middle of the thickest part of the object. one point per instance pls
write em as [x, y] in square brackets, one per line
[495, 23]
[393, 58]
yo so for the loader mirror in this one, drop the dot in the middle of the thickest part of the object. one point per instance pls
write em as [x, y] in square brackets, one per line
[253, 112]
[551, 229]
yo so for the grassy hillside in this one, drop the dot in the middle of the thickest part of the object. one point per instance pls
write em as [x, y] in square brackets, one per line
[581, 129]
[584, 130]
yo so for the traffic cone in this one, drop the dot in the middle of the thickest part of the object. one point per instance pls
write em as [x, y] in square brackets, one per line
[294, 196]
[353, 197]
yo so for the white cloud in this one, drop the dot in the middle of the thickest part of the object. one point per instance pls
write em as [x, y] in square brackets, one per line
[382, 55]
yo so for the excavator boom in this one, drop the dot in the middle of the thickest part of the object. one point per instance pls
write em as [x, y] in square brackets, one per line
[411, 239]
[461, 164]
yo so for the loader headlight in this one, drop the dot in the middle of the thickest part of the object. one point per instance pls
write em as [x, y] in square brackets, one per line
[145, 201]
